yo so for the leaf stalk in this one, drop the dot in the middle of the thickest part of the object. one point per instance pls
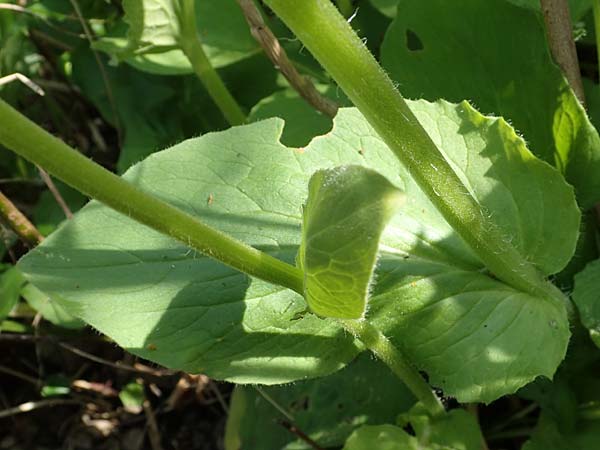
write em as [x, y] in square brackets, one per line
[333, 42]
[375, 341]
[35, 144]
[192, 48]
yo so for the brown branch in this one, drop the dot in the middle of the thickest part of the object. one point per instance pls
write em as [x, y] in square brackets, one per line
[55, 193]
[299, 434]
[560, 38]
[19, 223]
[153, 432]
[21, 375]
[267, 40]
[30, 406]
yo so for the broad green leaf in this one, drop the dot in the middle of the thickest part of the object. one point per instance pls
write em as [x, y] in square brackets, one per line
[586, 296]
[326, 409]
[386, 7]
[11, 281]
[383, 437]
[347, 209]
[548, 436]
[577, 8]
[498, 59]
[303, 122]
[151, 40]
[457, 429]
[50, 308]
[153, 25]
[476, 338]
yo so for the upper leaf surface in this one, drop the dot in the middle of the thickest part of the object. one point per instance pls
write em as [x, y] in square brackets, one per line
[346, 212]
[326, 409]
[153, 25]
[166, 303]
[383, 437]
[152, 43]
[499, 59]
[586, 296]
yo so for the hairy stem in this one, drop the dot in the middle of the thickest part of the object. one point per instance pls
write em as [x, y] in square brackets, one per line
[19, 223]
[276, 53]
[375, 341]
[328, 36]
[562, 45]
[38, 146]
[192, 48]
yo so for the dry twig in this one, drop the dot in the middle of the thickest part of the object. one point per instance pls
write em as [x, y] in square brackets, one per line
[19, 223]
[55, 193]
[560, 38]
[267, 40]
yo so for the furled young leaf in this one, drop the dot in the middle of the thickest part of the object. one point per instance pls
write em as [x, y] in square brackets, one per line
[586, 296]
[326, 409]
[499, 59]
[383, 437]
[476, 338]
[347, 209]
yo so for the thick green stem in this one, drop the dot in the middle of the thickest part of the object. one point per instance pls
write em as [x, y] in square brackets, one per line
[375, 341]
[192, 48]
[38, 146]
[328, 36]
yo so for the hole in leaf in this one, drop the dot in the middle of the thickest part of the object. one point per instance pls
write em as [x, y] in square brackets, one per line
[413, 41]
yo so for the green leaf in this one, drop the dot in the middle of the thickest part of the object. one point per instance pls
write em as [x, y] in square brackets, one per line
[303, 122]
[457, 429]
[346, 212]
[382, 437]
[140, 98]
[499, 59]
[153, 25]
[386, 7]
[476, 338]
[132, 396]
[50, 308]
[577, 8]
[55, 386]
[151, 42]
[548, 436]
[586, 296]
[11, 281]
[326, 409]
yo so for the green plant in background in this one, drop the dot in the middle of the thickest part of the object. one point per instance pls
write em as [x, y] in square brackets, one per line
[423, 231]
